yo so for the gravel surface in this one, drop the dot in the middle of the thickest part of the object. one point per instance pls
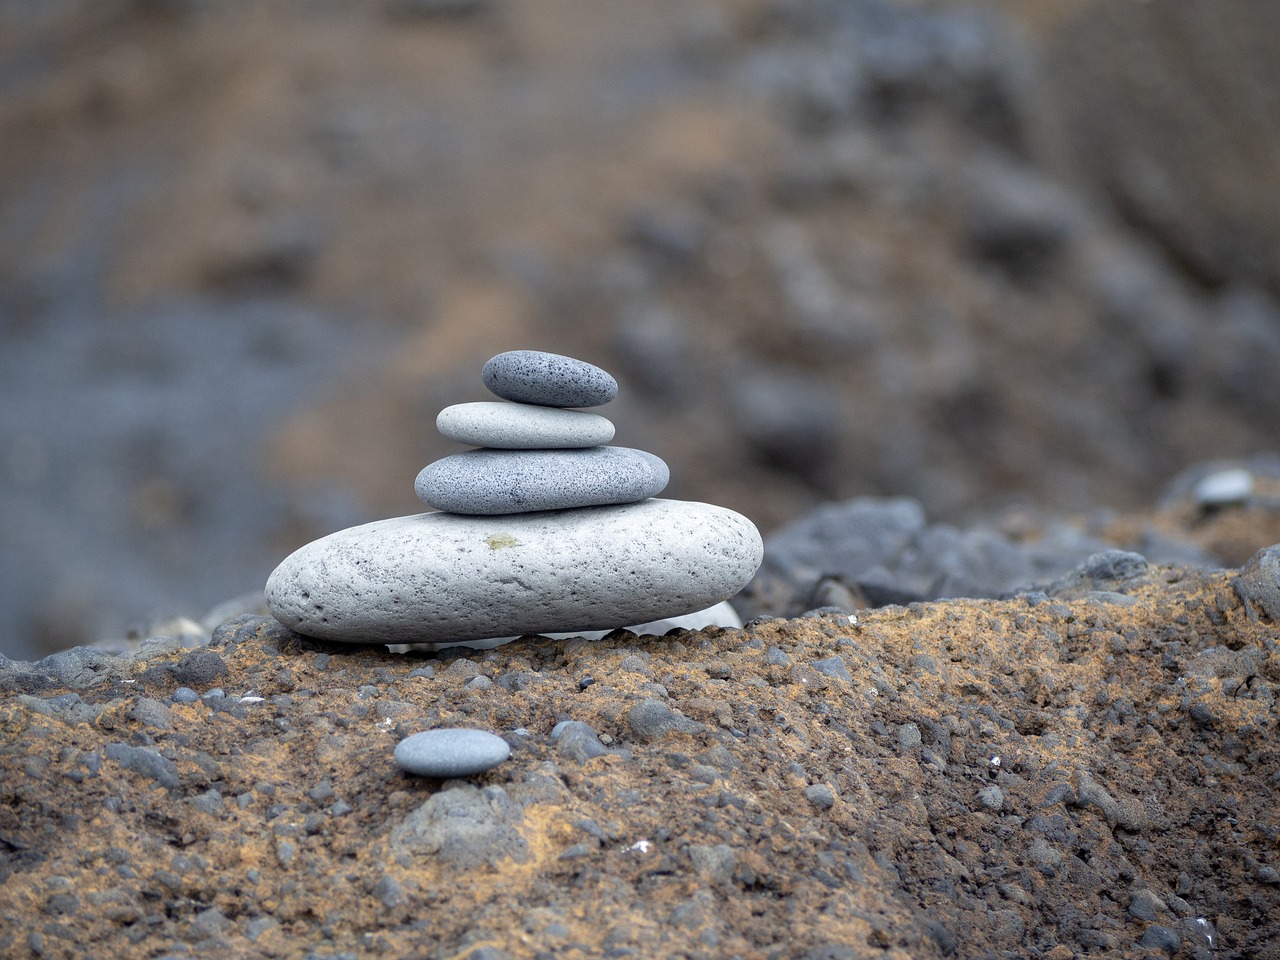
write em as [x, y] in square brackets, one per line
[1087, 769]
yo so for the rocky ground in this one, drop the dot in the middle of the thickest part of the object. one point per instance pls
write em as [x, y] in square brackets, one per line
[1011, 262]
[1088, 768]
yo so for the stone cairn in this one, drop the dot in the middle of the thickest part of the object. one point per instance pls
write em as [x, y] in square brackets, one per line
[543, 529]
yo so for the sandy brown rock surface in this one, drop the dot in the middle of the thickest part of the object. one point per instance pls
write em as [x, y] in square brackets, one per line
[1092, 771]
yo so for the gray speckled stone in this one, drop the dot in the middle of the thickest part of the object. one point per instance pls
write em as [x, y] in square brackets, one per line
[522, 426]
[492, 482]
[453, 752]
[440, 577]
[548, 379]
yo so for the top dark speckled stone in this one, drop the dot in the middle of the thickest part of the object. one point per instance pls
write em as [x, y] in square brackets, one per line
[548, 379]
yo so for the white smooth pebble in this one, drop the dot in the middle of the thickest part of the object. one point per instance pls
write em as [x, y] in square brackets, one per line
[522, 426]
[1224, 487]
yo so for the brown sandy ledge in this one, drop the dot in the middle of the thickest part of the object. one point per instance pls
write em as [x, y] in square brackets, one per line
[1035, 777]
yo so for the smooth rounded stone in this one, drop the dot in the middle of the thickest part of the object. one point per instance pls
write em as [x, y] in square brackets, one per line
[451, 752]
[521, 426]
[440, 577]
[1224, 488]
[548, 379]
[493, 482]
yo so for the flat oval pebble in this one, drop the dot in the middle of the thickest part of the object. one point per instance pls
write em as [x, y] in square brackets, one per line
[492, 482]
[1224, 487]
[439, 577]
[548, 379]
[522, 426]
[452, 752]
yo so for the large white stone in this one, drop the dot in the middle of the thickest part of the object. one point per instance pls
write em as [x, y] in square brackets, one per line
[442, 577]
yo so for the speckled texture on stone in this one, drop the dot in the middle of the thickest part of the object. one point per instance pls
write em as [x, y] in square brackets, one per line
[437, 576]
[548, 379]
[522, 426]
[451, 752]
[493, 482]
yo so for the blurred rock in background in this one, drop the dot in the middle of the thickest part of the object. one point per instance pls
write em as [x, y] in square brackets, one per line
[1021, 252]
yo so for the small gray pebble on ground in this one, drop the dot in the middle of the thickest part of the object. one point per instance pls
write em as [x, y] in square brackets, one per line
[576, 740]
[389, 891]
[1145, 905]
[1114, 565]
[909, 736]
[713, 864]
[1157, 937]
[199, 668]
[152, 713]
[651, 719]
[451, 752]
[821, 796]
[991, 797]
[832, 667]
[145, 762]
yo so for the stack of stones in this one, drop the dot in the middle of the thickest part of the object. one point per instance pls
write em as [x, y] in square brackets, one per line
[535, 454]
[543, 529]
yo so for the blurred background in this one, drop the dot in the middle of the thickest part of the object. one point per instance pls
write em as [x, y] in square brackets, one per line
[1014, 252]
